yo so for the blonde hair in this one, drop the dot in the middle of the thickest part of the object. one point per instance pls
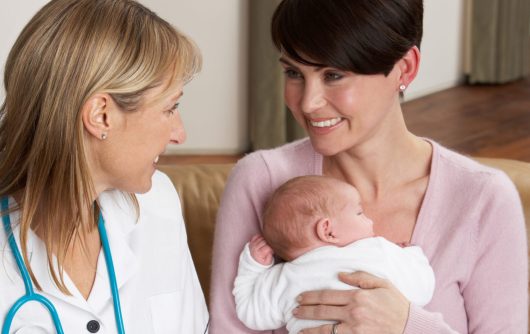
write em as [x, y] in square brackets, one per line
[296, 204]
[70, 50]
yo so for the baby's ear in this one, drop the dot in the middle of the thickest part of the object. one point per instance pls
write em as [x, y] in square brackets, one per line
[324, 231]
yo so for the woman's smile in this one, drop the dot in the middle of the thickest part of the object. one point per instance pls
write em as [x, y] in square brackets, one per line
[323, 126]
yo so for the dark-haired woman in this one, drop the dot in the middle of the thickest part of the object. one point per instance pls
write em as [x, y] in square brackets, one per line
[346, 63]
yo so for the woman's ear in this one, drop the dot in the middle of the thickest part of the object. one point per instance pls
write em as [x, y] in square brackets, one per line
[409, 66]
[324, 231]
[95, 115]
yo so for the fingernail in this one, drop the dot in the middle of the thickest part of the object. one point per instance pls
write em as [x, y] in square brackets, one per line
[295, 311]
[299, 299]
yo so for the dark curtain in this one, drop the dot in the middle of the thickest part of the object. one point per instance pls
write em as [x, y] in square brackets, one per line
[500, 40]
[270, 123]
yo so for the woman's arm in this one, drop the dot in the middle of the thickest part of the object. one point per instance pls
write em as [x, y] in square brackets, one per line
[237, 220]
[496, 292]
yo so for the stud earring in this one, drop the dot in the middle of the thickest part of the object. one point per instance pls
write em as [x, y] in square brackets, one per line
[103, 136]
[402, 88]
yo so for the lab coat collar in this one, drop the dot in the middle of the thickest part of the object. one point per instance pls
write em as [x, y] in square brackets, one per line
[39, 265]
[119, 222]
[38, 261]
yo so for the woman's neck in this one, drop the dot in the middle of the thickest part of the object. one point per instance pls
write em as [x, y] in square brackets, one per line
[382, 164]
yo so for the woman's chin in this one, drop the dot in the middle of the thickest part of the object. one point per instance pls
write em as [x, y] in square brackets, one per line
[324, 149]
[139, 187]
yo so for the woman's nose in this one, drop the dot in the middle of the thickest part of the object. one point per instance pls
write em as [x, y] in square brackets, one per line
[313, 97]
[178, 133]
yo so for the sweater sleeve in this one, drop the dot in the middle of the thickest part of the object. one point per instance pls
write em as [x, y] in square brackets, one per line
[237, 221]
[257, 293]
[495, 293]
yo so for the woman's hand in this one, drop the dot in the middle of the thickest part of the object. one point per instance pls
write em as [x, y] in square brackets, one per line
[377, 307]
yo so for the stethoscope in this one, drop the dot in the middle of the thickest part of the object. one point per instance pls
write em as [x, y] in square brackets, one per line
[32, 296]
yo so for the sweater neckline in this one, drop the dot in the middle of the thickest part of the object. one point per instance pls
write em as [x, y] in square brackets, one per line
[420, 224]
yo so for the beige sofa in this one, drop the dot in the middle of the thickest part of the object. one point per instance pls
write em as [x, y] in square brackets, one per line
[200, 187]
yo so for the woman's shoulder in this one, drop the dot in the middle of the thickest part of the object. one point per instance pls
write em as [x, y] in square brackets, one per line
[161, 201]
[295, 158]
[162, 196]
[458, 170]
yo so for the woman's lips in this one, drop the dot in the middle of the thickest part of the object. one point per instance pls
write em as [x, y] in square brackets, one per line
[325, 123]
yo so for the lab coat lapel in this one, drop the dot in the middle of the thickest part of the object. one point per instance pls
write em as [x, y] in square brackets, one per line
[39, 265]
[38, 261]
[120, 220]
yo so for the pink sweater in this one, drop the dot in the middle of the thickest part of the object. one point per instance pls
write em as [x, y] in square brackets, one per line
[470, 226]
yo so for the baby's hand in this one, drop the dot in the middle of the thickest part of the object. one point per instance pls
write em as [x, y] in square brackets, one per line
[260, 250]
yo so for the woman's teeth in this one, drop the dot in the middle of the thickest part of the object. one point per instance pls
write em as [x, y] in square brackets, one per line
[325, 124]
[156, 159]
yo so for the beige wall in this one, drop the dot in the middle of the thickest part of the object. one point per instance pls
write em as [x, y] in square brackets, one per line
[214, 105]
[442, 48]
[13, 16]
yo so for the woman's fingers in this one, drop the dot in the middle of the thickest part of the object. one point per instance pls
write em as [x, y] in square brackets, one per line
[326, 297]
[342, 297]
[320, 312]
[325, 329]
[363, 280]
[378, 307]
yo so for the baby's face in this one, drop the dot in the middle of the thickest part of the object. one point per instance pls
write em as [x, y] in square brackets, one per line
[350, 222]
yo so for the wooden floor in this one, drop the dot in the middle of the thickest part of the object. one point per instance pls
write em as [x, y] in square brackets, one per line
[488, 121]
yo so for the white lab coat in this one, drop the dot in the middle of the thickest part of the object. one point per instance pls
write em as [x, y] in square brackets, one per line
[266, 295]
[157, 282]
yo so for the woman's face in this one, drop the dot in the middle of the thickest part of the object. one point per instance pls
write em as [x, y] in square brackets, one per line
[339, 109]
[138, 138]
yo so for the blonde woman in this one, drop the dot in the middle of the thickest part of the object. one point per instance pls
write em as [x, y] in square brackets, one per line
[92, 90]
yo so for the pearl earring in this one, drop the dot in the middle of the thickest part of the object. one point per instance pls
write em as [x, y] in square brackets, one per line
[402, 88]
[103, 136]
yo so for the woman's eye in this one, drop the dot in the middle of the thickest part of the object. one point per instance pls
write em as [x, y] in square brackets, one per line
[174, 108]
[332, 76]
[292, 74]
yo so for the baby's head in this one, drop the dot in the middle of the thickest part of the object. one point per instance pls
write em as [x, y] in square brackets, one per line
[313, 211]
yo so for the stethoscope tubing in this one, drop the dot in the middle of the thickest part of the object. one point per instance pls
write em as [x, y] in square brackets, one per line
[25, 299]
[112, 274]
[30, 293]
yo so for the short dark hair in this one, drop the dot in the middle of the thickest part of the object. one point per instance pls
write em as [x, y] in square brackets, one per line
[360, 36]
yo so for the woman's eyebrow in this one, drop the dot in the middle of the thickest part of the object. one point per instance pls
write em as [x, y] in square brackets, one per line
[177, 96]
[288, 63]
